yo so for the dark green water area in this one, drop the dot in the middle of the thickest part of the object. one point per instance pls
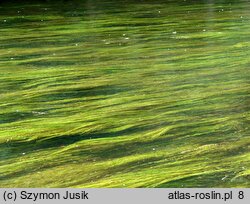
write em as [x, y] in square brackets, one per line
[122, 93]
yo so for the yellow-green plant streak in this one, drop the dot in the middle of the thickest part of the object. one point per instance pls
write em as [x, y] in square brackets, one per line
[125, 93]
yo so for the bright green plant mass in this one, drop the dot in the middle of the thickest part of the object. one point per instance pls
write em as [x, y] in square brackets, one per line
[125, 94]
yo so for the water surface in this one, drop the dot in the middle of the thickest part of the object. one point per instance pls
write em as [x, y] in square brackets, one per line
[125, 93]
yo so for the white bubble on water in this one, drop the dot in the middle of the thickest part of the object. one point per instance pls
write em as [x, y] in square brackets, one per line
[224, 178]
[38, 113]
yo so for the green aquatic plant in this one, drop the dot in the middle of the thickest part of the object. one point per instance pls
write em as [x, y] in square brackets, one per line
[139, 94]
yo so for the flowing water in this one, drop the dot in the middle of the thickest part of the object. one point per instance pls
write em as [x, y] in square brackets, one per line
[122, 93]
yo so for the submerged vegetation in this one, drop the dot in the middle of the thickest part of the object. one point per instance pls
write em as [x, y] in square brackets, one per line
[125, 94]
